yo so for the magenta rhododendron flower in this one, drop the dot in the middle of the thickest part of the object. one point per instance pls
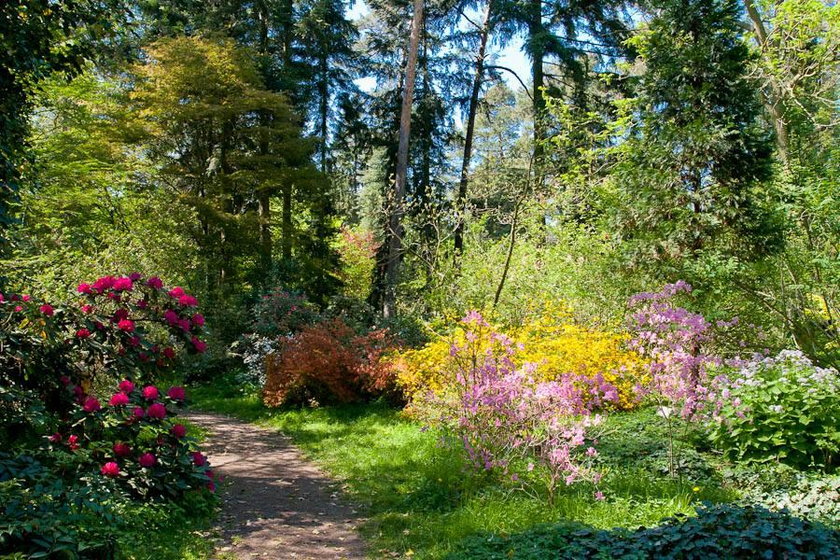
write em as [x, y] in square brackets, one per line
[82, 333]
[155, 283]
[198, 320]
[150, 392]
[177, 292]
[170, 317]
[18, 308]
[179, 430]
[156, 410]
[47, 310]
[2, 299]
[177, 393]
[120, 314]
[135, 276]
[169, 352]
[25, 297]
[84, 288]
[119, 399]
[188, 300]
[199, 345]
[147, 460]
[126, 325]
[126, 386]
[134, 341]
[73, 442]
[87, 308]
[55, 438]
[103, 284]
[199, 459]
[138, 413]
[123, 284]
[91, 405]
[184, 324]
[122, 449]
[110, 469]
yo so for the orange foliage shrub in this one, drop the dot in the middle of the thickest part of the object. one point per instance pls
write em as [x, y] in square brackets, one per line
[329, 362]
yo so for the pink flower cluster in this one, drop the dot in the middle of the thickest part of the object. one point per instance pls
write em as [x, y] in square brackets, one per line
[675, 341]
[504, 417]
[137, 301]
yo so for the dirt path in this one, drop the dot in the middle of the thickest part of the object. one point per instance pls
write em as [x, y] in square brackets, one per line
[276, 504]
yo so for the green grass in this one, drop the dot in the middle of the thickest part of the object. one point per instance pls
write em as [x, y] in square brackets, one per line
[420, 501]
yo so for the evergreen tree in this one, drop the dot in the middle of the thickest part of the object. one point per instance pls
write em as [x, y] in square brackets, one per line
[689, 179]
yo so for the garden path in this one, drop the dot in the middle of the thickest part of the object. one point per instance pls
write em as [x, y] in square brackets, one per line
[276, 504]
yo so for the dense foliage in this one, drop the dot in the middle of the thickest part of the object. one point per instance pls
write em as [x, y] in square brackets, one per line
[81, 453]
[640, 198]
[716, 532]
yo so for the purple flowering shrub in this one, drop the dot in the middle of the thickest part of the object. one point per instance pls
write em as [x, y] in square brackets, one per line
[511, 423]
[683, 360]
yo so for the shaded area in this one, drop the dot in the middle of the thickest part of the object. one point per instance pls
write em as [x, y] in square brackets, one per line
[276, 504]
[721, 532]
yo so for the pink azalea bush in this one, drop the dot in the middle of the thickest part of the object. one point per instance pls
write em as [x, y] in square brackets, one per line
[509, 422]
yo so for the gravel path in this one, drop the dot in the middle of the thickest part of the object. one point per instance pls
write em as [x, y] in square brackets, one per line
[276, 504]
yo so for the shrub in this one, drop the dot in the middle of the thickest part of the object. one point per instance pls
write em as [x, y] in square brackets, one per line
[130, 324]
[329, 362]
[716, 533]
[780, 408]
[552, 342]
[77, 456]
[282, 313]
[508, 420]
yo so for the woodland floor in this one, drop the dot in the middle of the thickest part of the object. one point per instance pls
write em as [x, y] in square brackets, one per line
[276, 504]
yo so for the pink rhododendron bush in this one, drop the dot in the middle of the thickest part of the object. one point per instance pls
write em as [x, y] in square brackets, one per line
[81, 411]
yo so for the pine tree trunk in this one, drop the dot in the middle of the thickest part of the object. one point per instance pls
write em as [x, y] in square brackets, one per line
[392, 264]
[463, 185]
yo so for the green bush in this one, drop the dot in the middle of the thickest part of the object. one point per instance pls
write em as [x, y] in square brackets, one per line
[781, 409]
[718, 532]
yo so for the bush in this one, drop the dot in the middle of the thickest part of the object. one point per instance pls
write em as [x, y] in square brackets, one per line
[329, 363]
[552, 341]
[717, 532]
[781, 408]
[511, 422]
[79, 457]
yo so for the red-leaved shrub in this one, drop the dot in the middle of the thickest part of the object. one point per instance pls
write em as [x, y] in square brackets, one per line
[329, 362]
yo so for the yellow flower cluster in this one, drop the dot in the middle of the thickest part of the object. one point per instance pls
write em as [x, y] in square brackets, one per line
[552, 341]
[558, 345]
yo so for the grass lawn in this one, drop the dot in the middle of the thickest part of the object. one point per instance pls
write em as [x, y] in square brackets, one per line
[420, 501]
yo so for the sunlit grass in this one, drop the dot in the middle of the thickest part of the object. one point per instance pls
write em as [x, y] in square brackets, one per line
[419, 499]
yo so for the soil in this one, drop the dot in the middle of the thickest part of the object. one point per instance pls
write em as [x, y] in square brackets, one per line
[276, 504]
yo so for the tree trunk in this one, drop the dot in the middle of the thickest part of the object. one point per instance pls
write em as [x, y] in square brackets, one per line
[770, 94]
[392, 264]
[535, 37]
[286, 225]
[478, 78]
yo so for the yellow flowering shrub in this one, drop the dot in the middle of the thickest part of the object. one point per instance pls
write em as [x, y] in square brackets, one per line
[552, 341]
[558, 345]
